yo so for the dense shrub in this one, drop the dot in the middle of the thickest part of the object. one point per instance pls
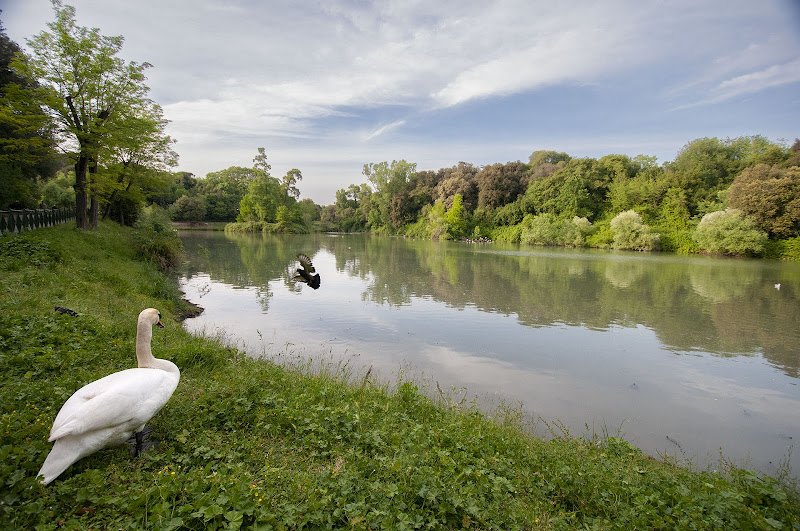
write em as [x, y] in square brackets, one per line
[58, 193]
[284, 227]
[631, 233]
[601, 235]
[510, 214]
[188, 208]
[791, 249]
[729, 232]
[770, 196]
[245, 226]
[418, 229]
[540, 230]
[507, 234]
[156, 241]
[782, 249]
[548, 229]
[573, 233]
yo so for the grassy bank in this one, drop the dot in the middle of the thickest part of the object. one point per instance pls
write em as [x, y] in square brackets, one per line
[250, 444]
[265, 227]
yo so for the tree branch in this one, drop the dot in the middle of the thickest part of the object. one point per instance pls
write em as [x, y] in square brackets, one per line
[74, 114]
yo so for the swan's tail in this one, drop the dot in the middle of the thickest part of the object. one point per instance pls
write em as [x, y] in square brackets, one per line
[65, 451]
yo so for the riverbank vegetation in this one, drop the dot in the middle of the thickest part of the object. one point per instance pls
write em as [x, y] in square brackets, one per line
[734, 196]
[268, 444]
[742, 195]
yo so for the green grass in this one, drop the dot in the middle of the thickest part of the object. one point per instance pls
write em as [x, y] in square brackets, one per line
[250, 444]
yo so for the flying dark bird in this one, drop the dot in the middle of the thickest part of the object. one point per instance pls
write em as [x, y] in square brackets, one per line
[308, 274]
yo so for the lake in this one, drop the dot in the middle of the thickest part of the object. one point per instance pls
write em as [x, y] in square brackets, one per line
[684, 355]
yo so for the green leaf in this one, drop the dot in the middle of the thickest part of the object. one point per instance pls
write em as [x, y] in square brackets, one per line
[234, 519]
[212, 511]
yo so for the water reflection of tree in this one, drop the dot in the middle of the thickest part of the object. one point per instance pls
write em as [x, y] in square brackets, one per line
[242, 260]
[754, 323]
[720, 284]
[746, 310]
[722, 307]
[690, 306]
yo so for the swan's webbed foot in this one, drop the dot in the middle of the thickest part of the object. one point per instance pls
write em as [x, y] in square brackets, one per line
[140, 444]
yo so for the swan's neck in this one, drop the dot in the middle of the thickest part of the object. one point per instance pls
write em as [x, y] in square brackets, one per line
[144, 356]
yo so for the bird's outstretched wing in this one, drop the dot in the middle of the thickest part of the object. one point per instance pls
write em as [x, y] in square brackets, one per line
[305, 261]
[308, 274]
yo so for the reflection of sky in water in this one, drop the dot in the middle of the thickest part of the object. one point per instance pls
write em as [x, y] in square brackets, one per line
[577, 375]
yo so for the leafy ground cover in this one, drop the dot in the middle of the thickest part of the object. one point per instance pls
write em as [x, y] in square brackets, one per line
[253, 444]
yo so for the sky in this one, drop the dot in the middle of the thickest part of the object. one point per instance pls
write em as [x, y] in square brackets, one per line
[328, 86]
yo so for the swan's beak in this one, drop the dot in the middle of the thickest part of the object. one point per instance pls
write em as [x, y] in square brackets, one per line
[160, 324]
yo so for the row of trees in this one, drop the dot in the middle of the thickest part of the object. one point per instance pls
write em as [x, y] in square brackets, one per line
[75, 104]
[751, 185]
[245, 195]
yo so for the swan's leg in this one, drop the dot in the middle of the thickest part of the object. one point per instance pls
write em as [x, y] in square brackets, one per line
[139, 442]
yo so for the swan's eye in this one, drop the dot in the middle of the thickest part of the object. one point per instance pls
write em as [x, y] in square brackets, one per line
[159, 316]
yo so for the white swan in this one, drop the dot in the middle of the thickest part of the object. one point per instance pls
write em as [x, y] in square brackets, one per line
[108, 411]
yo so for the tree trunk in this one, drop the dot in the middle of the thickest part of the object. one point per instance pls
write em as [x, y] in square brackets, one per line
[80, 192]
[95, 204]
[107, 211]
[94, 211]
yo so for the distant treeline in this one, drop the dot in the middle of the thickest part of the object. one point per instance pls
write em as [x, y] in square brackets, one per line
[735, 196]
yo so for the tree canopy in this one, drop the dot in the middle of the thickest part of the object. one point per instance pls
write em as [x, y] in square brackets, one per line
[270, 200]
[770, 196]
[99, 103]
[556, 199]
[26, 132]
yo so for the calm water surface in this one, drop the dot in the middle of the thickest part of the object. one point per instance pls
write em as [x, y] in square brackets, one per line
[683, 355]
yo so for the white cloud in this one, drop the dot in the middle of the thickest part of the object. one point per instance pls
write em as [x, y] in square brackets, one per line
[752, 66]
[389, 55]
[757, 81]
[381, 130]
[574, 55]
[750, 83]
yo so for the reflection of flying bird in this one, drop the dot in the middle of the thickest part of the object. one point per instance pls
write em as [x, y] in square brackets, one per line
[308, 273]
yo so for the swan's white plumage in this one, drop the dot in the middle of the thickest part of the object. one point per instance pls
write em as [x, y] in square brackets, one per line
[108, 411]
